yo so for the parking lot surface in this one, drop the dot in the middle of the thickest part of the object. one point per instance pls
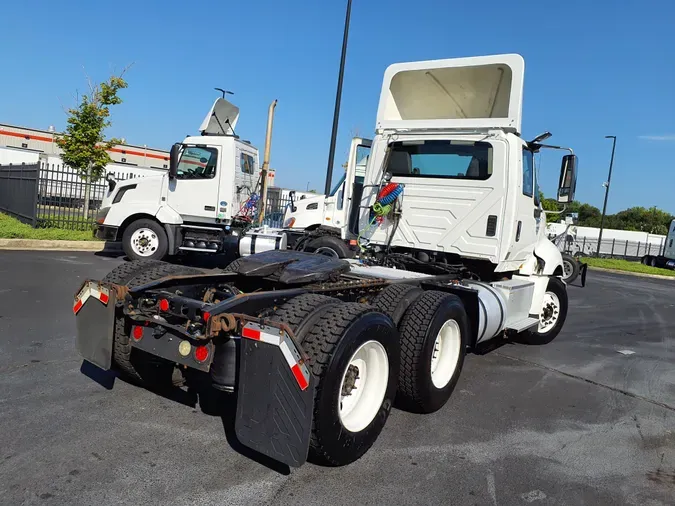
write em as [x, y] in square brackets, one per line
[587, 419]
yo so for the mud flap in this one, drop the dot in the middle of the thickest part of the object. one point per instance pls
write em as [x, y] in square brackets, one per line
[94, 309]
[583, 269]
[274, 403]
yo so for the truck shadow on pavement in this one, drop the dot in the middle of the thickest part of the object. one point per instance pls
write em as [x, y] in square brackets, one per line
[197, 392]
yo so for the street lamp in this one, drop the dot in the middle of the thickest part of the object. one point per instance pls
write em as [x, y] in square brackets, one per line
[338, 96]
[606, 185]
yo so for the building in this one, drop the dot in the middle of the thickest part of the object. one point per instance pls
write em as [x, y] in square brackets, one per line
[43, 141]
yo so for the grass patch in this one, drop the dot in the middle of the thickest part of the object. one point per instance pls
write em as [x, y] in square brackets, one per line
[625, 265]
[11, 228]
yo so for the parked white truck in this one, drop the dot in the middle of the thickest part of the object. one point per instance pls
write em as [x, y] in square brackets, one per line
[666, 260]
[201, 204]
[453, 256]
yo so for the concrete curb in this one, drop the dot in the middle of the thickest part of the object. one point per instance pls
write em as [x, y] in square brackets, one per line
[46, 245]
[636, 274]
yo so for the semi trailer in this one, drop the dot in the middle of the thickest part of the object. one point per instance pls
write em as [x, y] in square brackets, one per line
[666, 260]
[317, 350]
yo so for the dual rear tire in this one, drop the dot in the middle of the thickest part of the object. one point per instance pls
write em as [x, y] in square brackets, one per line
[434, 330]
[359, 360]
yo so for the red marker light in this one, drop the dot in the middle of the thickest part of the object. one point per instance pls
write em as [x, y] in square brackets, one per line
[163, 305]
[201, 353]
[137, 333]
[206, 316]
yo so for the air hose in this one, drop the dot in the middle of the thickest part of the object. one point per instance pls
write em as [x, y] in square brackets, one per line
[382, 206]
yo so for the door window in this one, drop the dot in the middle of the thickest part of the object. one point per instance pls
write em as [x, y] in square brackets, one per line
[528, 173]
[197, 163]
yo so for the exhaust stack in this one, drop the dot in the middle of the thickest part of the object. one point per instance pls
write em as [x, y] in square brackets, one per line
[266, 162]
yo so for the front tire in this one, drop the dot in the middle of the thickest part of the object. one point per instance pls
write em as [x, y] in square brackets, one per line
[434, 333]
[145, 239]
[552, 315]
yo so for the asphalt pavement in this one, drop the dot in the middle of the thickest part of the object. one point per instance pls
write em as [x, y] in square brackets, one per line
[586, 419]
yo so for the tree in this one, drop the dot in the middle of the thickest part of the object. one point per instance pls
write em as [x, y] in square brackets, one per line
[83, 144]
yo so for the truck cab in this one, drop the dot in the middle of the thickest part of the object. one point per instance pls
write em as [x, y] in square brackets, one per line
[194, 205]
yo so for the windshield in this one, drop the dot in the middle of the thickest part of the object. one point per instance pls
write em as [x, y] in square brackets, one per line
[197, 162]
[338, 184]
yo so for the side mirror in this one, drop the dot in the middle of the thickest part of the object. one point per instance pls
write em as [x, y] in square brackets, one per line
[291, 194]
[568, 179]
[173, 160]
[111, 181]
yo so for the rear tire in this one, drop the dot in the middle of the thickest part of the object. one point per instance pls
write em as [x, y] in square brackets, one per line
[135, 365]
[552, 316]
[354, 358]
[434, 333]
[145, 239]
[570, 268]
[330, 246]
[395, 300]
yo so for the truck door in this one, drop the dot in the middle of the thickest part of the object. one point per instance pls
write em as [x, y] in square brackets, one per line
[528, 214]
[338, 208]
[194, 192]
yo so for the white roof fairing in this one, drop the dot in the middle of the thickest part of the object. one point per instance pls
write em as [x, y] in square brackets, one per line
[475, 92]
[216, 121]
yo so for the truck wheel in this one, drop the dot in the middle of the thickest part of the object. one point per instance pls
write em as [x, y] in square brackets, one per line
[570, 268]
[135, 365]
[145, 239]
[301, 312]
[329, 246]
[395, 300]
[434, 333]
[552, 315]
[354, 358]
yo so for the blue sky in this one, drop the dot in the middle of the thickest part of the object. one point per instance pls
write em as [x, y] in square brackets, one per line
[593, 68]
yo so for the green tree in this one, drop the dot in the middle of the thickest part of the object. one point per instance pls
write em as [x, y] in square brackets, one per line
[83, 144]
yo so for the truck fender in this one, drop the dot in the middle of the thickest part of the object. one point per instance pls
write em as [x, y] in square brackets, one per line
[167, 215]
[546, 260]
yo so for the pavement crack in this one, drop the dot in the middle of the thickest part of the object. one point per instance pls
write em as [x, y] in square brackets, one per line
[589, 381]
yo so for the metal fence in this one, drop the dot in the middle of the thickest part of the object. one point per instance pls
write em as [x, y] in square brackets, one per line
[614, 248]
[53, 197]
[18, 191]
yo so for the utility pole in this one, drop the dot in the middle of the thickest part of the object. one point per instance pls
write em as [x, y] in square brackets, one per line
[338, 96]
[606, 185]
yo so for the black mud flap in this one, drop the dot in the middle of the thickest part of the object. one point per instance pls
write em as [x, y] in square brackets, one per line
[94, 309]
[583, 269]
[274, 411]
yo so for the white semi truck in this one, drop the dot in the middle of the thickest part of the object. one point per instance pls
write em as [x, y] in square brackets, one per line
[453, 257]
[201, 204]
[667, 259]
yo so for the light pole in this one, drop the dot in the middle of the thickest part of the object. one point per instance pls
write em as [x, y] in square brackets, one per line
[338, 96]
[609, 180]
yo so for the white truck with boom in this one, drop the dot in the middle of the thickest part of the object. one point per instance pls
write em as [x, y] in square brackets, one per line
[452, 258]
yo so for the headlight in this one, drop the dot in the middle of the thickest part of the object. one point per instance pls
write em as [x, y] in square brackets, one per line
[101, 215]
[289, 222]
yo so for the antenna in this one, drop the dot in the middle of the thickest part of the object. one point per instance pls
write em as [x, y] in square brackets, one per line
[224, 92]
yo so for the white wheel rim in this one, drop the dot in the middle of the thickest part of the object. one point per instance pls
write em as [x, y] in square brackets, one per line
[445, 354]
[144, 242]
[567, 268]
[550, 312]
[363, 385]
[326, 251]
